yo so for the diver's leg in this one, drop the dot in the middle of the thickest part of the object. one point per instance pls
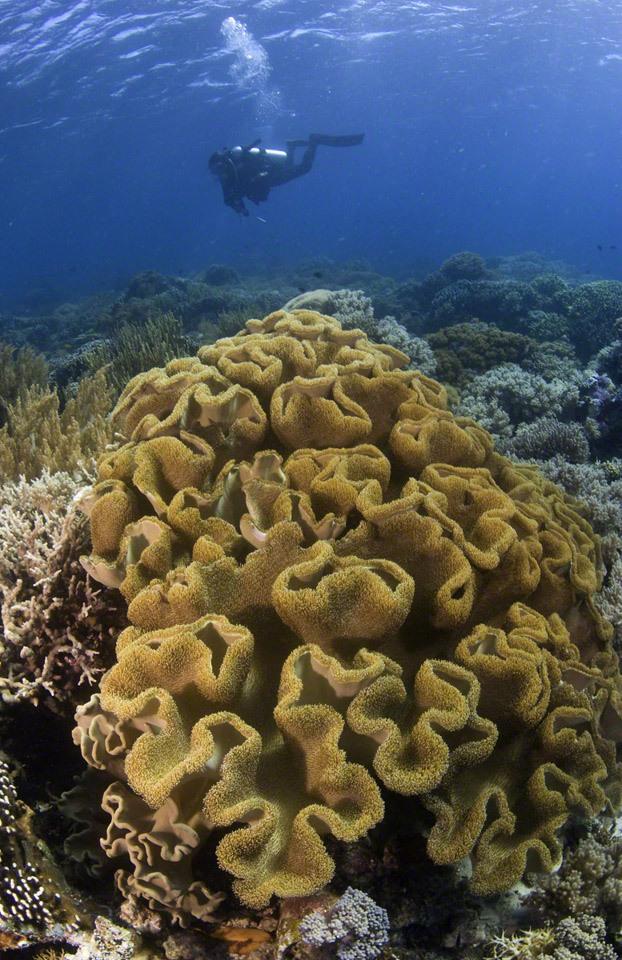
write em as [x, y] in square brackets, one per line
[291, 169]
[350, 140]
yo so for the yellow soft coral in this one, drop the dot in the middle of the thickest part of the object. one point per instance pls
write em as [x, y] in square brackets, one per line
[335, 584]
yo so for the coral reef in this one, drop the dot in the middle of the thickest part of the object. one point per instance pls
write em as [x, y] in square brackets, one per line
[491, 301]
[593, 311]
[333, 583]
[464, 266]
[508, 396]
[599, 487]
[56, 627]
[109, 942]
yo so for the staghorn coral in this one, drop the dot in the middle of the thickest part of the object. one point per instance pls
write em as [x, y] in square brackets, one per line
[574, 938]
[527, 945]
[335, 584]
[56, 627]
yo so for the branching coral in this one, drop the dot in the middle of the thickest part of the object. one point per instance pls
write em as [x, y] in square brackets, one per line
[547, 437]
[580, 938]
[507, 396]
[19, 371]
[38, 435]
[600, 488]
[588, 883]
[56, 627]
[334, 584]
[135, 348]
[355, 926]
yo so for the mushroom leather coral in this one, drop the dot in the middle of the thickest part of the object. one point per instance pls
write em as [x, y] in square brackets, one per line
[336, 585]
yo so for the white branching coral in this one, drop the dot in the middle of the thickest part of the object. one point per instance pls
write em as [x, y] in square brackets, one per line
[507, 395]
[528, 945]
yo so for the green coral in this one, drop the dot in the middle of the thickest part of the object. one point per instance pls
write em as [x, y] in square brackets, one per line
[593, 311]
[466, 349]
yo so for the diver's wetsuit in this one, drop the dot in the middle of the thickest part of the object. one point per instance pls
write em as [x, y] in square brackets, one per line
[252, 171]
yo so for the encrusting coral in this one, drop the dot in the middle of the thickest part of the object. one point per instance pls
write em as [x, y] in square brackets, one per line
[334, 584]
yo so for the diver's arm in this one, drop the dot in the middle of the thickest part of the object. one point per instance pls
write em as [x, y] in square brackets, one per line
[233, 199]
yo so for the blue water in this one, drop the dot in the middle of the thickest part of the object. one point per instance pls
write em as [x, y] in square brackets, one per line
[494, 126]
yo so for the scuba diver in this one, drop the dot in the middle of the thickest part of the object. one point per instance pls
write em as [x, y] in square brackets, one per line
[252, 171]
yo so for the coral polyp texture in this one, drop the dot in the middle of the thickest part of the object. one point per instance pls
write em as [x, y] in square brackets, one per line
[334, 586]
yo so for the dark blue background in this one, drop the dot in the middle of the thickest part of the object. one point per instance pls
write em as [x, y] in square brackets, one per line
[490, 126]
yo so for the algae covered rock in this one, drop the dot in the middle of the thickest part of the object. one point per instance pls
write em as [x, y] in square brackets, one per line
[336, 586]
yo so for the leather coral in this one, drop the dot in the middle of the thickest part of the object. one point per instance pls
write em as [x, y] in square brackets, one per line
[335, 585]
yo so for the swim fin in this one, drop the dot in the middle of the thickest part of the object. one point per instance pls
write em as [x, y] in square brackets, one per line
[323, 140]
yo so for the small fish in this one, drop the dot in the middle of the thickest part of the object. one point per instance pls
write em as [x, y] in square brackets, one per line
[317, 273]
[302, 289]
[262, 219]
[599, 246]
[612, 246]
